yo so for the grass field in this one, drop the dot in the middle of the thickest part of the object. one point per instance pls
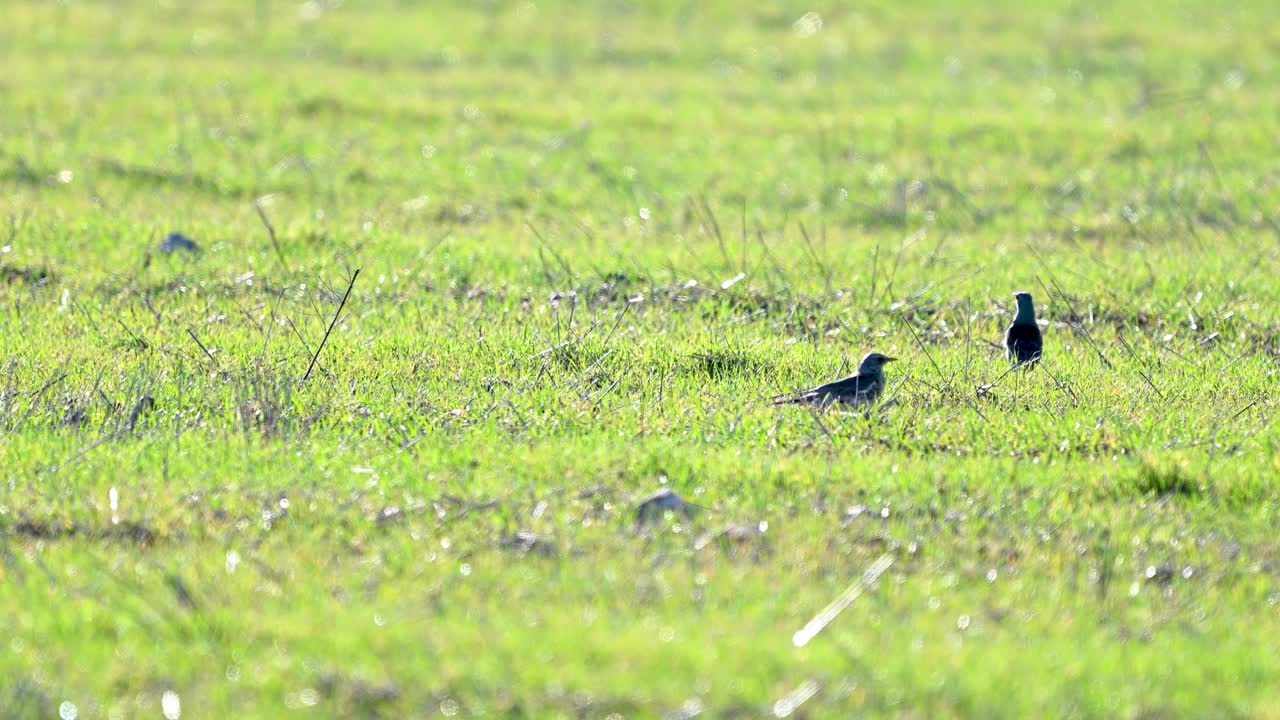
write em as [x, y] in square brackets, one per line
[592, 239]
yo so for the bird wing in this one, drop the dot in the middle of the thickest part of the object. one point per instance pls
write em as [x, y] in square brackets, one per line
[853, 385]
[854, 389]
[860, 389]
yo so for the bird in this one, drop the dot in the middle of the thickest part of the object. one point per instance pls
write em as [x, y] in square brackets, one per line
[861, 388]
[1022, 340]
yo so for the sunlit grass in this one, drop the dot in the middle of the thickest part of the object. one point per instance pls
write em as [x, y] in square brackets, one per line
[592, 242]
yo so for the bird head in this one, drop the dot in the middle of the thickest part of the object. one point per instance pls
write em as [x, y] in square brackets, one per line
[874, 362]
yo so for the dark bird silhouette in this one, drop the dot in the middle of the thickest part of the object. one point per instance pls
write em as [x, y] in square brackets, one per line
[863, 388]
[1022, 340]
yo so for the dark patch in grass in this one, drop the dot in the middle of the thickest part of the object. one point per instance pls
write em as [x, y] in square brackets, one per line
[527, 543]
[393, 515]
[576, 356]
[181, 592]
[615, 286]
[460, 214]
[22, 698]
[14, 274]
[739, 541]
[320, 106]
[774, 303]
[76, 415]
[22, 173]
[723, 364]
[1166, 481]
[658, 506]
[140, 410]
[364, 698]
[55, 530]
[157, 177]
[177, 242]
[333, 107]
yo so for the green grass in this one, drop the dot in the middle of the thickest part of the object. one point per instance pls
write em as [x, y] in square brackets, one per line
[592, 239]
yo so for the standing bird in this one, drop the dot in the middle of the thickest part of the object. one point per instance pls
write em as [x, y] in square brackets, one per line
[864, 388]
[1022, 340]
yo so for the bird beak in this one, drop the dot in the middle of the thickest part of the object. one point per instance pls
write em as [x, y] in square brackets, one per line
[889, 359]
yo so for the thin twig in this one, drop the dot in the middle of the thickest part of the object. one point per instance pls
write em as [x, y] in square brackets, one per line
[333, 322]
[941, 376]
[271, 233]
[92, 323]
[266, 341]
[618, 322]
[1076, 327]
[1061, 385]
[35, 400]
[141, 341]
[1134, 355]
[207, 354]
[1244, 409]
